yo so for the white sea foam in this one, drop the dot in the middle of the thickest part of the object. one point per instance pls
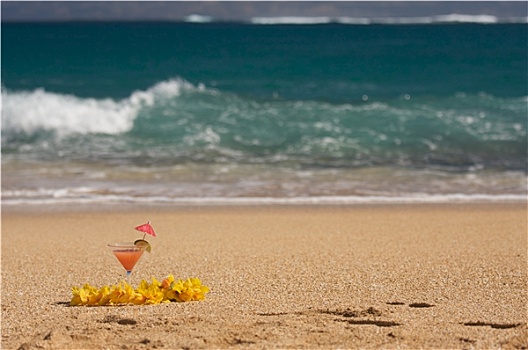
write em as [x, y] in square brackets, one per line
[85, 195]
[162, 90]
[31, 111]
[40, 110]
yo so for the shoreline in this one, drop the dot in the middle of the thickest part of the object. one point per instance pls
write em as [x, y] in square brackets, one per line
[304, 276]
[238, 202]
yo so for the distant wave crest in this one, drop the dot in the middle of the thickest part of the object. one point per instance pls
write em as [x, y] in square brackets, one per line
[451, 18]
[198, 19]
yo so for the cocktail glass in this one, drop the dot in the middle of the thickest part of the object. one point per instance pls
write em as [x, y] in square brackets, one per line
[128, 255]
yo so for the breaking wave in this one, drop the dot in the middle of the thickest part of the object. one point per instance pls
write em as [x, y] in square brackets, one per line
[28, 112]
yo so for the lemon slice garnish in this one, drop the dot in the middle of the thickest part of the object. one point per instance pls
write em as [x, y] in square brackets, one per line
[143, 244]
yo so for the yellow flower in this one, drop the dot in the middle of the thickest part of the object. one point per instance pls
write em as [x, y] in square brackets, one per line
[155, 282]
[76, 297]
[189, 290]
[150, 292]
[104, 293]
[170, 295]
[147, 293]
[167, 282]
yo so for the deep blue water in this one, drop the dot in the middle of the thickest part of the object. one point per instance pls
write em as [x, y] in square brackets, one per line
[166, 111]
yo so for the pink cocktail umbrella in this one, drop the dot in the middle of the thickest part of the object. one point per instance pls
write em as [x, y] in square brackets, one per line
[146, 228]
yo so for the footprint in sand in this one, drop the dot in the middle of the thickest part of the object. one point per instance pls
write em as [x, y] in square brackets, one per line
[349, 315]
[492, 325]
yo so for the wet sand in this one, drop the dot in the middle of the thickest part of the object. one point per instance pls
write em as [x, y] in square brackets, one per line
[307, 277]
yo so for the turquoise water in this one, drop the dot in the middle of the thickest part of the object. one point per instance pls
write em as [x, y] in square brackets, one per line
[181, 112]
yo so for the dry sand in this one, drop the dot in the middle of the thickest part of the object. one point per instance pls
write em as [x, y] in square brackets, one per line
[396, 276]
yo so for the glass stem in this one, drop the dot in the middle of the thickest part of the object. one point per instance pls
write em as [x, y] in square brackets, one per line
[128, 274]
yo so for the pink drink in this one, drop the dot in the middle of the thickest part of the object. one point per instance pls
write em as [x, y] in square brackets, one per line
[128, 257]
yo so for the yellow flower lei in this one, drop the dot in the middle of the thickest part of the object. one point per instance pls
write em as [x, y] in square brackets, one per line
[147, 293]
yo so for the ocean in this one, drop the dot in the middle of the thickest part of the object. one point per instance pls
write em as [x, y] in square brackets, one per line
[270, 111]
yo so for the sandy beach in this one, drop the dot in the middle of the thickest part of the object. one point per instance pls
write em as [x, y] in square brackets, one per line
[304, 277]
